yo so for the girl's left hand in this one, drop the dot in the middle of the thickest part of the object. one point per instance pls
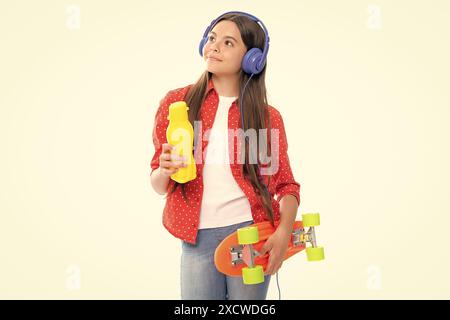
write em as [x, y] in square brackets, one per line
[276, 245]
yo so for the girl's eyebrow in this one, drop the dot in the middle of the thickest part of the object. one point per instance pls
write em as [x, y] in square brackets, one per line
[212, 32]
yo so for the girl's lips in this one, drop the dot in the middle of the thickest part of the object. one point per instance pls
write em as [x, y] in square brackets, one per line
[214, 59]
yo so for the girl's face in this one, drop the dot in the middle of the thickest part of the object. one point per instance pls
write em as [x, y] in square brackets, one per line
[224, 50]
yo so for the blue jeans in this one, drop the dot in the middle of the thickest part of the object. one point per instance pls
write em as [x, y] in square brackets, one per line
[200, 279]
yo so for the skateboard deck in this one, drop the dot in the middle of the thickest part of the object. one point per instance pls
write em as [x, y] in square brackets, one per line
[230, 257]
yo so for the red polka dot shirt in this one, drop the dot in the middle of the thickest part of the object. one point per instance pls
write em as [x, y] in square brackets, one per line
[180, 218]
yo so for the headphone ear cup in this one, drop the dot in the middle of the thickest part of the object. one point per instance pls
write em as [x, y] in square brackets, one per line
[200, 47]
[251, 61]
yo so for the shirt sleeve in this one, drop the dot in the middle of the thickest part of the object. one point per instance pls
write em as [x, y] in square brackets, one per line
[284, 180]
[159, 130]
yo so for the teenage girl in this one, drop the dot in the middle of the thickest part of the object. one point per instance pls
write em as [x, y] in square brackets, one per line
[229, 191]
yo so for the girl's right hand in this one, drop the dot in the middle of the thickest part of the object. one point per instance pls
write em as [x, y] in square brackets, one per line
[170, 163]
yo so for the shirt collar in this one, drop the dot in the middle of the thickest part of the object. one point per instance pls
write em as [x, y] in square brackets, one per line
[210, 86]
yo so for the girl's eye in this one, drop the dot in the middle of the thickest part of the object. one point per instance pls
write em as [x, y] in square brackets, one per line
[212, 37]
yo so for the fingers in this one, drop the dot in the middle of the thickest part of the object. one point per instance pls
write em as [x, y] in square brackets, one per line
[273, 265]
[266, 247]
[168, 172]
[277, 268]
[166, 147]
[272, 270]
[269, 268]
[169, 161]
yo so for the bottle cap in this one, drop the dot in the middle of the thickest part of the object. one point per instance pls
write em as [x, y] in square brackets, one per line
[178, 111]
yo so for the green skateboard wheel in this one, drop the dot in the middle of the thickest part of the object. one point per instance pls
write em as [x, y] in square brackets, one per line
[315, 254]
[253, 275]
[311, 220]
[248, 235]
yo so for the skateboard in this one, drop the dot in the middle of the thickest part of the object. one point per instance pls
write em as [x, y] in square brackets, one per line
[238, 254]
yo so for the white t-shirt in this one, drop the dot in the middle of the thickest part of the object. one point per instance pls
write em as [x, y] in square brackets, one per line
[223, 203]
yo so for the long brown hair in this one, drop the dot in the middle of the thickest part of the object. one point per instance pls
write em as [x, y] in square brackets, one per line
[256, 113]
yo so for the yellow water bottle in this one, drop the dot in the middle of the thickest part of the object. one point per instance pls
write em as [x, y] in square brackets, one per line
[180, 134]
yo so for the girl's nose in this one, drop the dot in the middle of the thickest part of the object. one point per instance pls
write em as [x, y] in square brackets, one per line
[213, 47]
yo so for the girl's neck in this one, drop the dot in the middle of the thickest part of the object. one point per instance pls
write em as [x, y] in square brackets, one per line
[227, 86]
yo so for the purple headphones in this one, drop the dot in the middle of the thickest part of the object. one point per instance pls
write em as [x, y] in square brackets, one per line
[255, 59]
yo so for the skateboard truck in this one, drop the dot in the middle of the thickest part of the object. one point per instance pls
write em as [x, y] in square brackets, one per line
[243, 254]
[236, 255]
[300, 237]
